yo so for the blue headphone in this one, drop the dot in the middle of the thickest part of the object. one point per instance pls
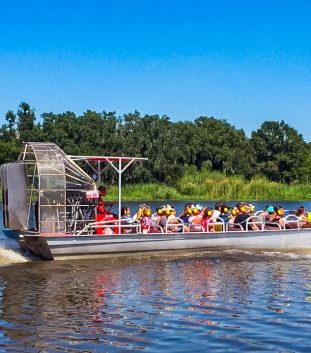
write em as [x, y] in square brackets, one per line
[270, 209]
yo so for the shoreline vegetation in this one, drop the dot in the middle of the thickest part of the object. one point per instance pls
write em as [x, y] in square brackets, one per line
[213, 186]
[202, 159]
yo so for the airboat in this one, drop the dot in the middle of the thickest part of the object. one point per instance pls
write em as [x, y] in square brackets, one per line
[49, 204]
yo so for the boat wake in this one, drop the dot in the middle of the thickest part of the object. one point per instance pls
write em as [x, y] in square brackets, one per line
[10, 252]
[8, 256]
[301, 255]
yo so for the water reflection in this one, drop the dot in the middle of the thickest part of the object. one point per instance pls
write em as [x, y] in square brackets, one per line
[190, 303]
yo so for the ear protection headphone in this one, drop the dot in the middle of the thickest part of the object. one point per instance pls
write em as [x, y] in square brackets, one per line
[279, 211]
[270, 209]
[195, 210]
[188, 210]
[242, 208]
[234, 211]
[147, 212]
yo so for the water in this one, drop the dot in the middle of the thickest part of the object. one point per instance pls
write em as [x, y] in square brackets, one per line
[213, 301]
[184, 302]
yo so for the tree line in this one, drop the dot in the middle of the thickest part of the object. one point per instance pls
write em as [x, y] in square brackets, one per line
[275, 150]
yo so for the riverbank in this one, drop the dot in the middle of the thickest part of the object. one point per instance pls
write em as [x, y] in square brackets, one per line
[214, 186]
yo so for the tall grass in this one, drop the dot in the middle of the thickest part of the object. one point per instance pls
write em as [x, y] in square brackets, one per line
[205, 185]
[146, 192]
[217, 186]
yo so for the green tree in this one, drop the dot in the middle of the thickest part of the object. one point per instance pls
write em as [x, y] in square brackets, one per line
[278, 150]
[9, 151]
[304, 172]
[8, 130]
[62, 129]
[225, 148]
[26, 127]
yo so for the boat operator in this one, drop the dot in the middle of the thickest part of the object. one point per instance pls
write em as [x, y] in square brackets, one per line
[102, 213]
[102, 204]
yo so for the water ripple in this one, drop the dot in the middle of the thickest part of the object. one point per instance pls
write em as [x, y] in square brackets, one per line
[221, 302]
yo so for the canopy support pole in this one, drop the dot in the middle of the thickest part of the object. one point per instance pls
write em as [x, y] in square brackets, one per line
[120, 193]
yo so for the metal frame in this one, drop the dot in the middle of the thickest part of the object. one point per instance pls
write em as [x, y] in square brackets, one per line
[49, 164]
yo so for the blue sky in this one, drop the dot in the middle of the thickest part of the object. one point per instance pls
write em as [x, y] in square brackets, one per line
[243, 61]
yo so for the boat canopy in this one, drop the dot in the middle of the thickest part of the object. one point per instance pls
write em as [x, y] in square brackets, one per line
[47, 190]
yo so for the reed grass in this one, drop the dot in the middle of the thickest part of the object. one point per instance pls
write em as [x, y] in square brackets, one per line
[205, 185]
[144, 192]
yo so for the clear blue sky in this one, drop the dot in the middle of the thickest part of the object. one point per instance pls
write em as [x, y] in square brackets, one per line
[244, 61]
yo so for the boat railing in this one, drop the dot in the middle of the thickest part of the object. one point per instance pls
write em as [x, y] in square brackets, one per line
[286, 212]
[231, 227]
[175, 226]
[196, 228]
[251, 220]
[130, 225]
[254, 220]
[155, 229]
[291, 221]
[272, 225]
[217, 224]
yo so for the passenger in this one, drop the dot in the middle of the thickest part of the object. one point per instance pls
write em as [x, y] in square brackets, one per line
[221, 211]
[265, 213]
[160, 211]
[184, 216]
[127, 220]
[301, 214]
[217, 209]
[161, 219]
[145, 219]
[186, 213]
[303, 218]
[242, 217]
[196, 219]
[207, 221]
[139, 212]
[250, 209]
[224, 212]
[172, 220]
[234, 213]
[278, 217]
[125, 212]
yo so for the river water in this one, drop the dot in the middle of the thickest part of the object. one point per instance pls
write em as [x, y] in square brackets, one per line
[178, 302]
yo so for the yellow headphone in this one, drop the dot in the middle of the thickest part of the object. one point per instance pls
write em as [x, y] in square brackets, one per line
[242, 208]
[252, 208]
[147, 212]
[189, 210]
[234, 211]
[279, 211]
[195, 210]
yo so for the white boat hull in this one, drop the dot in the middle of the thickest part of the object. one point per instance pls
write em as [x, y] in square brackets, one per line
[69, 246]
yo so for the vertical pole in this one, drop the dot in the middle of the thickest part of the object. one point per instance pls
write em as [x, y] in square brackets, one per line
[98, 174]
[120, 185]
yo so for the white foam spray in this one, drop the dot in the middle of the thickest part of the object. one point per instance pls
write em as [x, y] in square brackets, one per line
[10, 252]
